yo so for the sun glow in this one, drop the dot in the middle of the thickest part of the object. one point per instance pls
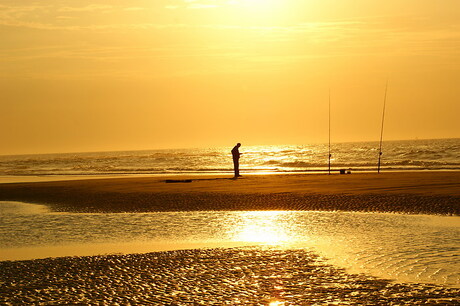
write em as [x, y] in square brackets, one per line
[260, 8]
[261, 3]
[263, 227]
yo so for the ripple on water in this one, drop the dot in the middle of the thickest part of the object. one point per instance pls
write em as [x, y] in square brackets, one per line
[407, 248]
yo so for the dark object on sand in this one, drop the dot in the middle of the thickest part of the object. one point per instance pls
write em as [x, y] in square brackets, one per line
[178, 181]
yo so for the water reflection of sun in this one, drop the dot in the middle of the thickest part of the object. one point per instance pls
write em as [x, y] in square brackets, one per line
[263, 227]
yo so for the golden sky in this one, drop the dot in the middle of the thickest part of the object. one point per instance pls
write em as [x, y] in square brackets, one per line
[145, 74]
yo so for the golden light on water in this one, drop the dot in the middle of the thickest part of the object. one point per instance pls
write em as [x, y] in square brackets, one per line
[263, 227]
[277, 303]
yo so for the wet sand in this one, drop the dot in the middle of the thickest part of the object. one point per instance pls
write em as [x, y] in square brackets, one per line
[240, 276]
[246, 276]
[406, 192]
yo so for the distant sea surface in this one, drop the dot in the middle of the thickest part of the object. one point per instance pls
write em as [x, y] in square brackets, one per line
[437, 154]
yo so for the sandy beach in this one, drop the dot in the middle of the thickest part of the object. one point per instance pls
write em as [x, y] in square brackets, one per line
[245, 276]
[406, 192]
[241, 276]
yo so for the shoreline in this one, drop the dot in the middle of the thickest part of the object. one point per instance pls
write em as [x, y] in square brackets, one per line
[411, 192]
[34, 178]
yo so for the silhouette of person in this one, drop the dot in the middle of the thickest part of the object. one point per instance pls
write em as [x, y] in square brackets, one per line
[236, 159]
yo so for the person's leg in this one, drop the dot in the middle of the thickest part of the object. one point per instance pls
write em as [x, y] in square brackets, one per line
[236, 166]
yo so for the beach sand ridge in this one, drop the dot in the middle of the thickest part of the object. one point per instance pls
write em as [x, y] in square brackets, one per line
[238, 276]
[415, 193]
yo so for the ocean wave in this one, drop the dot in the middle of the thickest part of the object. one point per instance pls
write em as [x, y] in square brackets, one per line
[220, 171]
[406, 162]
[398, 155]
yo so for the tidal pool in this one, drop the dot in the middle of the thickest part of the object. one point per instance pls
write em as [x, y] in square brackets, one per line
[406, 248]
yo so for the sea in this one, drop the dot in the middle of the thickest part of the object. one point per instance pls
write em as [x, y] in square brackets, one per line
[404, 155]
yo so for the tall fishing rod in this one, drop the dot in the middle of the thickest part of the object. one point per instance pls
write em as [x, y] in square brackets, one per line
[330, 132]
[381, 130]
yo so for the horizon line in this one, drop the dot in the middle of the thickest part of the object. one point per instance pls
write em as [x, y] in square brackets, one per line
[210, 147]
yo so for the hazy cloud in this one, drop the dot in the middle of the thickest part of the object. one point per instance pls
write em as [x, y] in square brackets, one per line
[134, 8]
[201, 6]
[194, 4]
[87, 8]
[288, 44]
[65, 17]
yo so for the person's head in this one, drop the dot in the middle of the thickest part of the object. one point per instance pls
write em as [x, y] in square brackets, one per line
[238, 144]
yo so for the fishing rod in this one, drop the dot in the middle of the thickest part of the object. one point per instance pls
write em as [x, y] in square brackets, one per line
[381, 130]
[330, 132]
